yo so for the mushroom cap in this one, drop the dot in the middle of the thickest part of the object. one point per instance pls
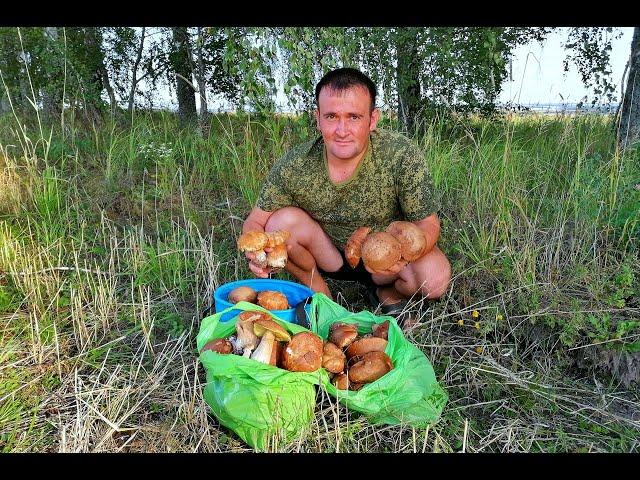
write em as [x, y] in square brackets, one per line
[341, 381]
[246, 338]
[343, 334]
[381, 330]
[333, 359]
[380, 250]
[353, 248]
[252, 316]
[252, 241]
[411, 238]
[303, 353]
[272, 300]
[243, 293]
[262, 325]
[219, 345]
[355, 386]
[277, 257]
[366, 345]
[372, 366]
[277, 237]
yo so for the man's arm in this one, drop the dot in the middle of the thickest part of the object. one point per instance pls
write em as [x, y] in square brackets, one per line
[430, 226]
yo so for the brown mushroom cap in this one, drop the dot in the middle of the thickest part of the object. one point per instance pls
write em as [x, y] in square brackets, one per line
[277, 257]
[277, 237]
[366, 345]
[372, 366]
[272, 300]
[303, 353]
[252, 316]
[343, 334]
[353, 247]
[242, 294]
[381, 330]
[262, 325]
[219, 345]
[333, 358]
[252, 241]
[380, 251]
[411, 238]
[341, 381]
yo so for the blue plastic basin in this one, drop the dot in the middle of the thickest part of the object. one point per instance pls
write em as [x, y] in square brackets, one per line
[295, 293]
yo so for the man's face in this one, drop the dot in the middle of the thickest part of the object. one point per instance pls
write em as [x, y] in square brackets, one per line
[345, 119]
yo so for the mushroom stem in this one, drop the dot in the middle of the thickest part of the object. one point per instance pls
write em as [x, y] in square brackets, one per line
[263, 352]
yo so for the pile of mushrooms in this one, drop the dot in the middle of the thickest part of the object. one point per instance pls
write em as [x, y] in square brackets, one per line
[354, 361]
[380, 250]
[262, 339]
[269, 299]
[256, 241]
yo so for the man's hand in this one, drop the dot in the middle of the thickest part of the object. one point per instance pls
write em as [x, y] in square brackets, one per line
[392, 270]
[262, 272]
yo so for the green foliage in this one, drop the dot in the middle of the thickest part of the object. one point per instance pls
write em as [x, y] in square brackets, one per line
[590, 48]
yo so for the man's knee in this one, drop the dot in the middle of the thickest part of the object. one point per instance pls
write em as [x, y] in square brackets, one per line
[286, 218]
[437, 284]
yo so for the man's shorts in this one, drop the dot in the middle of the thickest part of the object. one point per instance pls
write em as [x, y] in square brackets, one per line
[345, 272]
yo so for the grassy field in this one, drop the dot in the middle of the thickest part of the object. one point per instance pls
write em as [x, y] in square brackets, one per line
[113, 238]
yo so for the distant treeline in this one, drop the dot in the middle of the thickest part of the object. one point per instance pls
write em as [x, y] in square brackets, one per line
[418, 70]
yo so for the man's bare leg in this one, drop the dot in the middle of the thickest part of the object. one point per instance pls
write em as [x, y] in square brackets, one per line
[309, 274]
[309, 247]
[388, 295]
[428, 277]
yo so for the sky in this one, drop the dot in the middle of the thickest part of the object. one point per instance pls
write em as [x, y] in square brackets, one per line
[538, 75]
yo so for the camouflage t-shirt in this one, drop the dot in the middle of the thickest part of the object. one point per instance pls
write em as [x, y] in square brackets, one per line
[390, 183]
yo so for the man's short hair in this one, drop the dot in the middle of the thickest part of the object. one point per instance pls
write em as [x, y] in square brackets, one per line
[344, 78]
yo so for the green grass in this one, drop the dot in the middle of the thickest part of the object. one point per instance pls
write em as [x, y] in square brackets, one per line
[113, 238]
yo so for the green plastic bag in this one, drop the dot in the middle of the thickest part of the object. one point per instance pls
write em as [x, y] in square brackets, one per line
[264, 405]
[409, 394]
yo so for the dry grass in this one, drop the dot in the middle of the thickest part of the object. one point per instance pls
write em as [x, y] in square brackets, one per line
[100, 313]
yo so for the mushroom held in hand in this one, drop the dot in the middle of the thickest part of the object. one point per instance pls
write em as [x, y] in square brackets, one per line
[380, 251]
[277, 257]
[242, 294]
[343, 334]
[366, 345]
[254, 241]
[272, 300]
[219, 345]
[277, 237]
[303, 353]
[372, 366]
[333, 359]
[411, 238]
[353, 248]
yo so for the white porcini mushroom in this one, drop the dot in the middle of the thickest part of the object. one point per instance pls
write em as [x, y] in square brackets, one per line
[246, 338]
[265, 348]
